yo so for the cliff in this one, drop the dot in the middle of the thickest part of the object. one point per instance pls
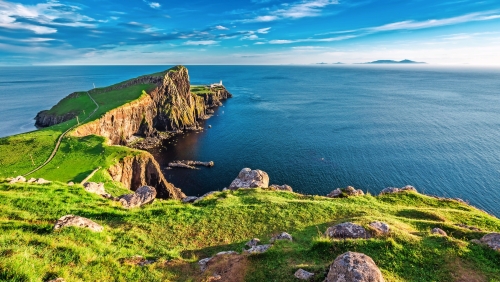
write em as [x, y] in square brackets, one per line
[140, 170]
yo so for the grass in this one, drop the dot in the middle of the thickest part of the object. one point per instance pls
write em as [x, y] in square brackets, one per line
[178, 235]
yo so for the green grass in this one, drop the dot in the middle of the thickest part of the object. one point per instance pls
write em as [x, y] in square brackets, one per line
[200, 90]
[178, 235]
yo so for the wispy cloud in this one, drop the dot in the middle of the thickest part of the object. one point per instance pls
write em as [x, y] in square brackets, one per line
[201, 42]
[42, 18]
[297, 10]
[154, 5]
[220, 27]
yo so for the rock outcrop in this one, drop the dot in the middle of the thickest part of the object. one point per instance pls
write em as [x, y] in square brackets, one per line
[259, 249]
[355, 267]
[17, 179]
[248, 178]
[347, 192]
[392, 190]
[380, 227]
[142, 196]
[281, 236]
[347, 230]
[96, 188]
[283, 187]
[77, 221]
[140, 170]
[492, 240]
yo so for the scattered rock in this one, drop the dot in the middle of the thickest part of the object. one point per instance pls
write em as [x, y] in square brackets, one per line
[248, 178]
[205, 195]
[492, 240]
[380, 227]
[71, 183]
[137, 260]
[41, 181]
[282, 236]
[347, 230]
[302, 274]
[473, 228]
[190, 164]
[438, 231]
[258, 249]
[97, 188]
[189, 199]
[203, 262]
[392, 190]
[17, 179]
[283, 187]
[31, 180]
[356, 267]
[335, 193]
[181, 165]
[143, 195]
[77, 221]
[252, 243]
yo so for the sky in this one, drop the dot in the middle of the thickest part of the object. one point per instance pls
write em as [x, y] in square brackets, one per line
[165, 32]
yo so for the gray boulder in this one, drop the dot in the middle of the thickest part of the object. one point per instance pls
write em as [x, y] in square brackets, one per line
[143, 195]
[252, 243]
[204, 196]
[258, 249]
[347, 230]
[303, 275]
[351, 191]
[77, 221]
[438, 231]
[335, 193]
[283, 187]
[17, 179]
[282, 236]
[492, 240]
[189, 199]
[392, 190]
[380, 227]
[97, 188]
[248, 178]
[354, 267]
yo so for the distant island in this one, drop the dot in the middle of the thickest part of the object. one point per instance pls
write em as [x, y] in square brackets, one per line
[394, 62]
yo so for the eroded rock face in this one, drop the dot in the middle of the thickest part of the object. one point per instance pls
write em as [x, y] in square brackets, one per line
[303, 275]
[281, 236]
[380, 227]
[438, 231]
[248, 178]
[492, 240]
[142, 196]
[354, 267]
[347, 230]
[77, 221]
[392, 190]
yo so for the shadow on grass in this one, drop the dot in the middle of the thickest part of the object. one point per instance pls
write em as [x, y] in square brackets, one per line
[42, 229]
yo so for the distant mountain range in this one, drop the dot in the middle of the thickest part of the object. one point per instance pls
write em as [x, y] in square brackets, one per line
[394, 62]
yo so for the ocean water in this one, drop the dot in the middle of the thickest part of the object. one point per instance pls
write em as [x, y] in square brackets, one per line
[315, 128]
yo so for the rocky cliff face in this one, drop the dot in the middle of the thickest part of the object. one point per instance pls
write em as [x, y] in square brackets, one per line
[140, 170]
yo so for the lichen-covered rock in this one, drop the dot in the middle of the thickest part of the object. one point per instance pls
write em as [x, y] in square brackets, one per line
[248, 178]
[17, 179]
[77, 221]
[281, 236]
[492, 240]
[252, 243]
[258, 249]
[143, 195]
[380, 227]
[438, 231]
[392, 190]
[283, 187]
[354, 267]
[303, 275]
[347, 230]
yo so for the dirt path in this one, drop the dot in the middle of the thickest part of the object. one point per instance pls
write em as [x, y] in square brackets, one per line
[62, 136]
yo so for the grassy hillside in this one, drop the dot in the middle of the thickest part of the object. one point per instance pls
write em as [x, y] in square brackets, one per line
[178, 235]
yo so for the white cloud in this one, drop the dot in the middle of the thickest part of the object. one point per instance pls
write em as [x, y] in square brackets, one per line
[297, 10]
[279, 41]
[49, 13]
[263, 30]
[201, 42]
[250, 37]
[154, 5]
[220, 27]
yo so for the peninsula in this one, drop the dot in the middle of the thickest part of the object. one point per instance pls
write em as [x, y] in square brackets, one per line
[81, 202]
[394, 62]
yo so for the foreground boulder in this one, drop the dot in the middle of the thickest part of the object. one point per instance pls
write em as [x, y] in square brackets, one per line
[248, 178]
[303, 275]
[492, 240]
[380, 227]
[347, 230]
[349, 191]
[392, 190]
[77, 221]
[142, 196]
[355, 267]
[283, 187]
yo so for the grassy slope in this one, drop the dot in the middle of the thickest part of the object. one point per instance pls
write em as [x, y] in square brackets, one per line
[178, 235]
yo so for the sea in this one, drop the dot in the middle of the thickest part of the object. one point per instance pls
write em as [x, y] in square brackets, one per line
[315, 128]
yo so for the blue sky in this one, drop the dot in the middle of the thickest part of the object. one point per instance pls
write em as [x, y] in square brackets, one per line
[248, 32]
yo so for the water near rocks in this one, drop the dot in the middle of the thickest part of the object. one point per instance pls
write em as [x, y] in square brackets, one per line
[315, 128]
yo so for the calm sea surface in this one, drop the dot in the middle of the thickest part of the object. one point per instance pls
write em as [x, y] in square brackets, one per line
[315, 128]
